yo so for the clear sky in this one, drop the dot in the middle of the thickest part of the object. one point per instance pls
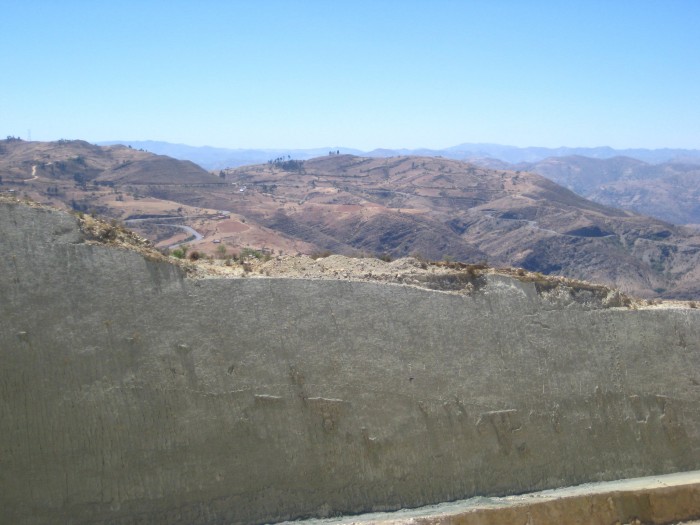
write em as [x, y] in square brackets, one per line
[362, 74]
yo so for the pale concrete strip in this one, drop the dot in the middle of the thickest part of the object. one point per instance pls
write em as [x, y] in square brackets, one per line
[667, 499]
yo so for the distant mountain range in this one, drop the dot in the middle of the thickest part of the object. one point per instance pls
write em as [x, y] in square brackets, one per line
[212, 158]
[662, 183]
[219, 158]
[405, 205]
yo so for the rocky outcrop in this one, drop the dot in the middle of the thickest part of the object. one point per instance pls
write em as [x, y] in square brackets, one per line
[130, 392]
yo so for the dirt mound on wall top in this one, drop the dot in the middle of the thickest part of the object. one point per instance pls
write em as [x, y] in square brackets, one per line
[443, 276]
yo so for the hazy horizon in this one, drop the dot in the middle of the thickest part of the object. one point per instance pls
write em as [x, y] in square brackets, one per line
[342, 146]
[361, 75]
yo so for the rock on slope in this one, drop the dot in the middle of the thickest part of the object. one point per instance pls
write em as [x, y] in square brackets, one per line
[130, 392]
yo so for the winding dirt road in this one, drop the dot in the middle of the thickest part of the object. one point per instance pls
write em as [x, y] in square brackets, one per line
[197, 236]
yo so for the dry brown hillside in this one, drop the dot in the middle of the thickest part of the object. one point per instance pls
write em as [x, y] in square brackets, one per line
[669, 191]
[85, 162]
[430, 207]
[444, 208]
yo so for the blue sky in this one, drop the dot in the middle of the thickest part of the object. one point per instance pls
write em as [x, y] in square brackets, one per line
[381, 73]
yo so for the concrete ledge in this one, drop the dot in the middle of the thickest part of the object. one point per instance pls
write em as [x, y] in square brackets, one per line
[654, 500]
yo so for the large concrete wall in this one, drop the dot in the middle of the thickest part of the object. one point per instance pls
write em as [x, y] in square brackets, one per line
[132, 394]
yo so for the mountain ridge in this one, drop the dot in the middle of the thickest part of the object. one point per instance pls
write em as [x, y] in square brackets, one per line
[505, 217]
[213, 158]
[679, 192]
[669, 191]
[425, 206]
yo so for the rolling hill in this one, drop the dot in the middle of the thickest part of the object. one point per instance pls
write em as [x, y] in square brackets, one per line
[438, 207]
[217, 158]
[428, 207]
[85, 162]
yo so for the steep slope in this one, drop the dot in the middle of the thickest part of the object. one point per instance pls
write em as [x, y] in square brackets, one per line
[430, 207]
[583, 174]
[669, 191]
[438, 207]
[672, 193]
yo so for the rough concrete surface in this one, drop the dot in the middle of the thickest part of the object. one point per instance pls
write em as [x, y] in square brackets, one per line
[130, 393]
[657, 500]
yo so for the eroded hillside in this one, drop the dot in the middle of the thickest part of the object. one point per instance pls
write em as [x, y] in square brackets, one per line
[430, 208]
[441, 208]
[669, 191]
